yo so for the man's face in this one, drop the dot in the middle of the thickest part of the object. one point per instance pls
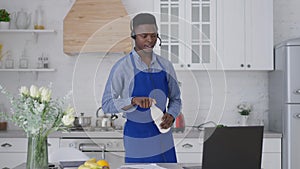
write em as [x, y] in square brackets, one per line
[146, 37]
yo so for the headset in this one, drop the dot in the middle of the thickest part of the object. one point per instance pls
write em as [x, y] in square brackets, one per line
[133, 35]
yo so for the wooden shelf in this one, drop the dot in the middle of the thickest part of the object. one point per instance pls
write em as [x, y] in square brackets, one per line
[27, 70]
[26, 31]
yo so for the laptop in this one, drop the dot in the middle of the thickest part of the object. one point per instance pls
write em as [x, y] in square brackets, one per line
[232, 148]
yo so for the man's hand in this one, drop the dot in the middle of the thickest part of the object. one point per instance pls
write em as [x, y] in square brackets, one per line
[167, 121]
[143, 102]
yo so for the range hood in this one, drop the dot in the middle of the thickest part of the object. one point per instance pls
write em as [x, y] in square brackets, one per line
[97, 26]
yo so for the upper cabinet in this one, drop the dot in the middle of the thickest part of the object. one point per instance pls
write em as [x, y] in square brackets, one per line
[188, 32]
[216, 34]
[245, 34]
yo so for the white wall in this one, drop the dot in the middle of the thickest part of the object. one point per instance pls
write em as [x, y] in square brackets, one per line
[286, 20]
[86, 75]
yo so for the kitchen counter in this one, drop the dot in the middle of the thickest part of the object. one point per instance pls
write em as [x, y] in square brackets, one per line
[165, 165]
[189, 133]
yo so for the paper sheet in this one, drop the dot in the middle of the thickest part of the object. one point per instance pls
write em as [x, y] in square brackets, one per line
[141, 166]
[157, 114]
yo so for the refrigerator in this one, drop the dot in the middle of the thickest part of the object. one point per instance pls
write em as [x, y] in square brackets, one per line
[284, 100]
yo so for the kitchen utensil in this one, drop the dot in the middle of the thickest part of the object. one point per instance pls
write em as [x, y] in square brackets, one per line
[82, 121]
[179, 124]
[105, 121]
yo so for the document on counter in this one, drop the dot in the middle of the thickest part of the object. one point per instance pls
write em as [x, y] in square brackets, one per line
[141, 166]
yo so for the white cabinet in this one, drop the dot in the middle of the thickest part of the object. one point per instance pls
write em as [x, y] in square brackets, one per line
[245, 34]
[13, 151]
[189, 150]
[188, 32]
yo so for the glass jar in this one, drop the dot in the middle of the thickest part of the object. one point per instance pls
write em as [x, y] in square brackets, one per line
[23, 62]
[39, 18]
[9, 61]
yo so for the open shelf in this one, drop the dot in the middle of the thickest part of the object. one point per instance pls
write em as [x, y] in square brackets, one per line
[27, 70]
[27, 31]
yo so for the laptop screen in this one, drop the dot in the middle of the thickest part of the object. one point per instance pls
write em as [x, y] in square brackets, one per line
[232, 148]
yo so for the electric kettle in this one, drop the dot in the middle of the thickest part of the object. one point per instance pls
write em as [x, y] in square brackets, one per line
[179, 124]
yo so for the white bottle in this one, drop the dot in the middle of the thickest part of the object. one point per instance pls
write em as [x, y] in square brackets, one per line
[45, 62]
[40, 63]
[23, 62]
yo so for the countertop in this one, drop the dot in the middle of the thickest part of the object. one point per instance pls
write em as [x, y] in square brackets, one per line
[189, 133]
[164, 165]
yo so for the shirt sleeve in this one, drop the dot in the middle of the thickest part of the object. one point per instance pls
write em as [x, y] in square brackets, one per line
[174, 106]
[112, 102]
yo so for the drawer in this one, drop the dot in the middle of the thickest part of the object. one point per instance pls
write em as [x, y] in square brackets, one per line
[188, 145]
[11, 160]
[272, 145]
[189, 158]
[13, 145]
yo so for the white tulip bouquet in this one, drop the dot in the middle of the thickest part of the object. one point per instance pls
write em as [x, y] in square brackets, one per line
[36, 113]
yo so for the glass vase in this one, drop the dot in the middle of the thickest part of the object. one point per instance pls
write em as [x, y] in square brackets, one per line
[37, 152]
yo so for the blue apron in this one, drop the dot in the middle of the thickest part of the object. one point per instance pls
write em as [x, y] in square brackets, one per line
[142, 140]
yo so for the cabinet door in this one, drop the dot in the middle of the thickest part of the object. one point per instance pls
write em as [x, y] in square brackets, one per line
[245, 34]
[201, 34]
[231, 34]
[53, 145]
[11, 160]
[259, 34]
[170, 22]
[188, 32]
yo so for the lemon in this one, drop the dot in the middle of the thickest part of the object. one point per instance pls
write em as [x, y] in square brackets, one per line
[92, 165]
[103, 163]
[83, 167]
[93, 160]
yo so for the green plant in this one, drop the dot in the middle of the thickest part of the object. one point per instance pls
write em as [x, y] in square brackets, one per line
[244, 109]
[4, 16]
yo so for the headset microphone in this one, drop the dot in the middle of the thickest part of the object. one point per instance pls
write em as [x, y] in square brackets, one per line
[159, 40]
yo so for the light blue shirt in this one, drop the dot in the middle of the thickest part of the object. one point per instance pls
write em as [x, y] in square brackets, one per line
[119, 86]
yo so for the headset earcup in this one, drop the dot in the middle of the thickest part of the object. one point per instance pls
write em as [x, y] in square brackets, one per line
[133, 36]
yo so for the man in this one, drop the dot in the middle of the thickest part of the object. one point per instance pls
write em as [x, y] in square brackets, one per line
[134, 83]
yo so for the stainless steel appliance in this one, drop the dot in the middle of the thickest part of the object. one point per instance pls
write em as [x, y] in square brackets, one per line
[284, 99]
[106, 145]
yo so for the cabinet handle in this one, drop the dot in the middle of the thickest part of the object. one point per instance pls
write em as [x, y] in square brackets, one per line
[248, 65]
[242, 65]
[297, 91]
[48, 144]
[181, 65]
[187, 145]
[297, 116]
[188, 65]
[6, 145]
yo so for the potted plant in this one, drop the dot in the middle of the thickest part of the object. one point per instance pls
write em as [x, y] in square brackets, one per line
[244, 110]
[4, 19]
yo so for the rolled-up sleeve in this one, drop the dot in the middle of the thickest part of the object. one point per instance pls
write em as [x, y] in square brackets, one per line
[174, 106]
[113, 99]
